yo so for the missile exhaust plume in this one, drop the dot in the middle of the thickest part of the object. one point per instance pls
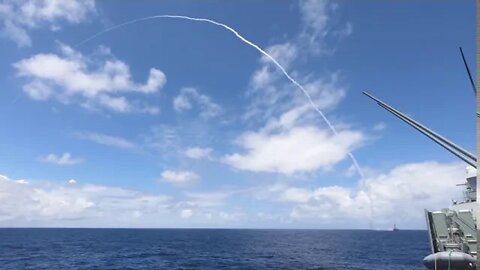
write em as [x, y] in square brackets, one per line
[248, 42]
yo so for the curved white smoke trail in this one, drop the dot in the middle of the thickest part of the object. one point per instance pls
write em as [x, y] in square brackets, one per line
[248, 42]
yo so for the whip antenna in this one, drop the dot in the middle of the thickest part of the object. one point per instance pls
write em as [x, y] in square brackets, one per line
[468, 71]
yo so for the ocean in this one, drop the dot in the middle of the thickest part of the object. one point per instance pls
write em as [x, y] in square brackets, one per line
[211, 249]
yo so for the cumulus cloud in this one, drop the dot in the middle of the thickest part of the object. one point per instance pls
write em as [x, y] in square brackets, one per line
[198, 152]
[190, 97]
[93, 82]
[180, 178]
[72, 181]
[108, 140]
[299, 149]
[21, 181]
[288, 122]
[296, 129]
[211, 207]
[72, 204]
[186, 213]
[22, 204]
[19, 16]
[399, 194]
[64, 159]
[207, 200]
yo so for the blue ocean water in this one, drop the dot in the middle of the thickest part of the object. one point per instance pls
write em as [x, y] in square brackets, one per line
[211, 249]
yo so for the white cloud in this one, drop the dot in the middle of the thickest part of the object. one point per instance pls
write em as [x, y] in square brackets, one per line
[108, 140]
[267, 83]
[164, 138]
[298, 195]
[19, 16]
[32, 204]
[72, 181]
[198, 152]
[294, 130]
[289, 123]
[118, 104]
[297, 109]
[325, 92]
[271, 94]
[189, 96]
[182, 103]
[209, 207]
[316, 17]
[398, 195]
[39, 205]
[231, 216]
[284, 53]
[93, 82]
[207, 200]
[180, 178]
[156, 80]
[299, 149]
[64, 159]
[379, 126]
[151, 110]
[186, 213]
[346, 31]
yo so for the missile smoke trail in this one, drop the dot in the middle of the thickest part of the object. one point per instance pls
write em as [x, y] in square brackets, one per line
[248, 42]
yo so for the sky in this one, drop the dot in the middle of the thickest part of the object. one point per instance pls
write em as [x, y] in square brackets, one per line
[174, 123]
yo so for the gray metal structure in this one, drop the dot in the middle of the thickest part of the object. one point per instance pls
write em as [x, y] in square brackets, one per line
[453, 230]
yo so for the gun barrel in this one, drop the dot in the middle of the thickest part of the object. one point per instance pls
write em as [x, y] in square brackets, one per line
[447, 147]
[445, 143]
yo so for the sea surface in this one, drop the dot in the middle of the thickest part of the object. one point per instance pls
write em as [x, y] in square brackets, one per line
[211, 249]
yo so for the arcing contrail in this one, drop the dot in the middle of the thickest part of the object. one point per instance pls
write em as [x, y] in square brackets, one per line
[248, 42]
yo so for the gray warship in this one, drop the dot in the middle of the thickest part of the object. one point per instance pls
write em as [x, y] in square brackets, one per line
[452, 231]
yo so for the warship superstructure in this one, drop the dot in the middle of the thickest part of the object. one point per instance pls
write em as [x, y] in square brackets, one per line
[453, 230]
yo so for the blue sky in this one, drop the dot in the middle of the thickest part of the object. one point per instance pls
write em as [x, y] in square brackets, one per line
[174, 123]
